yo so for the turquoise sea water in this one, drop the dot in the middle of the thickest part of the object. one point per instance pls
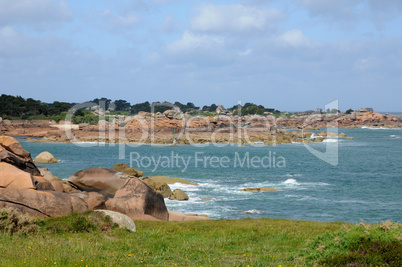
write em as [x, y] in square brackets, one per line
[366, 184]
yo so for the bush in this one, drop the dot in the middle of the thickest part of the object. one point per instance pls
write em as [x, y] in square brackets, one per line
[79, 223]
[359, 245]
[14, 222]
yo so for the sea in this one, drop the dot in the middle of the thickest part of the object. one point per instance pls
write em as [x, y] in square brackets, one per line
[336, 180]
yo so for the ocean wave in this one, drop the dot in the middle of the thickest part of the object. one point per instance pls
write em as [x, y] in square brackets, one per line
[379, 128]
[292, 175]
[330, 140]
[251, 212]
[291, 182]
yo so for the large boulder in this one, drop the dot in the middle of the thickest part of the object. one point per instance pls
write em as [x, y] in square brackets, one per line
[121, 167]
[178, 194]
[139, 202]
[95, 201]
[99, 179]
[42, 184]
[11, 144]
[161, 188]
[12, 177]
[12, 152]
[41, 203]
[45, 157]
[122, 220]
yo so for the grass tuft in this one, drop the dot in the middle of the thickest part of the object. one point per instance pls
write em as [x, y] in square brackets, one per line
[14, 222]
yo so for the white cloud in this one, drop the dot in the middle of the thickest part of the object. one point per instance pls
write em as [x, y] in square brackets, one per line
[348, 13]
[294, 38]
[38, 13]
[191, 41]
[234, 18]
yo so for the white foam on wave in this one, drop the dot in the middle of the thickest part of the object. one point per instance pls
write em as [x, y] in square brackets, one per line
[292, 175]
[251, 212]
[330, 140]
[379, 128]
[184, 187]
[291, 182]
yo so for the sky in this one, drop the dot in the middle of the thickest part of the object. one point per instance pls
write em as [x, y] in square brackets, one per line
[292, 55]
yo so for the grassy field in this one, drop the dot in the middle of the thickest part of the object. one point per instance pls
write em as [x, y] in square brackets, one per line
[85, 240]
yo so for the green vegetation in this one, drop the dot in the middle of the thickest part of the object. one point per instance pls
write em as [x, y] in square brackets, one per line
[87, 239]
[250, 109]
[349, 111]
[17, 108]
[360, 245]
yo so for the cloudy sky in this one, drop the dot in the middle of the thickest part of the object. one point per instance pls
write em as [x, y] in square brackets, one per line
[287, 54]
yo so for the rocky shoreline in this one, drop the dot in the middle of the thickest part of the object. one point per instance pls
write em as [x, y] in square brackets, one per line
[171, 128]
[31, 189]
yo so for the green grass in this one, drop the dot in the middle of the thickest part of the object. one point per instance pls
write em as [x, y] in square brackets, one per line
[76, 241]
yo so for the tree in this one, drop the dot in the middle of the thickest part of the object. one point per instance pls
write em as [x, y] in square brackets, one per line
[102, 100]
[349, 111]
[146, 106]
[121, 105]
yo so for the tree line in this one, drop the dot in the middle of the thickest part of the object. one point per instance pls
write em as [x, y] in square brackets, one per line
[17, 107]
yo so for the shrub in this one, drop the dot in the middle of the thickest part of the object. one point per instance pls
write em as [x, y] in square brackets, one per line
[14, 222]
[360, 245]
[79, 223]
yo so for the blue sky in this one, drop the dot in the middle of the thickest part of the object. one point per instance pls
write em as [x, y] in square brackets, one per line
[290, 54]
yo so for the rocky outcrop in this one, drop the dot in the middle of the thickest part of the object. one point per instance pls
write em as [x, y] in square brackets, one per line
[45, 157]
[41, 203]
[99, 179]
[95, 201]
[122, 220]
[86, 190]
[121, 167]
[12, 152]
[259, 189]
[161, 188]
[175, 216]
[48, 175]
[170, 180]
[139, 202]
[178, 194]
[12, 177]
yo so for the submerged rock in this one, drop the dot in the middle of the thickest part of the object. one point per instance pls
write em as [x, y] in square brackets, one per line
[259, 189]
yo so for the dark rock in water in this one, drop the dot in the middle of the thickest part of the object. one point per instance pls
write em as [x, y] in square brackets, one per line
[12, 152]
[139, 202]
[121, 167]
[259, 189]
[99, 179]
